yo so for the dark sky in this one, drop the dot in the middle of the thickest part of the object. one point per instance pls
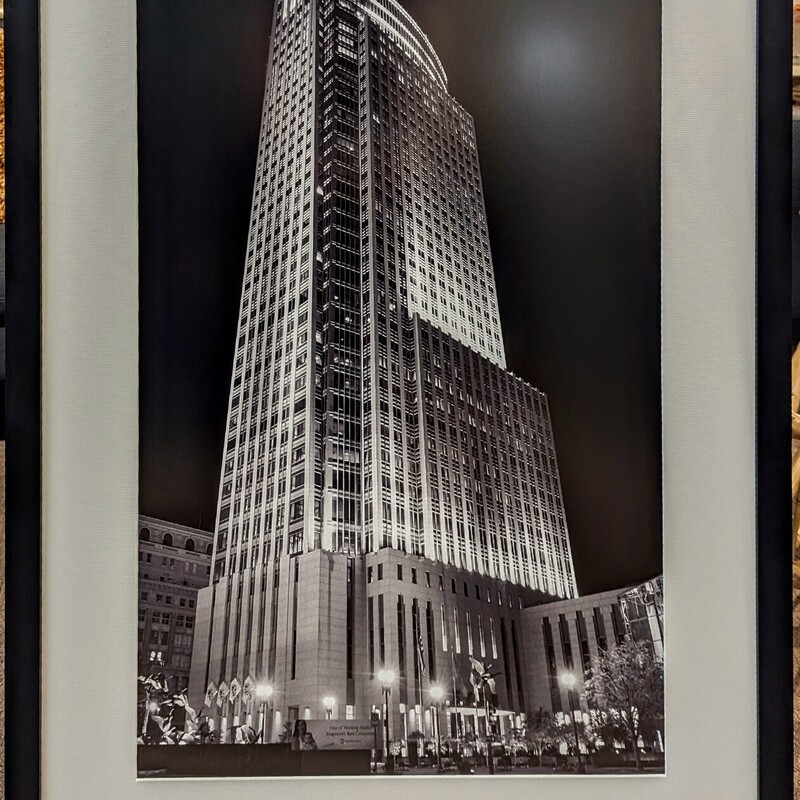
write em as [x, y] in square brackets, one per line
[566, 100]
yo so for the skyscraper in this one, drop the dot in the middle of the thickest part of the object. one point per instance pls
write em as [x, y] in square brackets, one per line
[389, 495]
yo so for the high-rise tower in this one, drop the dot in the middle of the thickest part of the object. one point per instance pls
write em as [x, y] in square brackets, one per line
[389, 493]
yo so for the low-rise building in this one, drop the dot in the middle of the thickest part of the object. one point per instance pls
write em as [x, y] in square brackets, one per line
[174, 563]
[568, 635]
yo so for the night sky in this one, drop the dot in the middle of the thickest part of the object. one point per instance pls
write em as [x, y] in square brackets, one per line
[566, 100]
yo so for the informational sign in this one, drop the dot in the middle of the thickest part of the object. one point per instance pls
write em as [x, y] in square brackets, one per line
[334, 734]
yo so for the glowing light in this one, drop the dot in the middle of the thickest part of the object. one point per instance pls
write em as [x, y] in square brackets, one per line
[568, 681]
[263, 692]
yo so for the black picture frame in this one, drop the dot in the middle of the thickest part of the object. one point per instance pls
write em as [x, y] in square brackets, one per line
[773, 392]
[23, 403]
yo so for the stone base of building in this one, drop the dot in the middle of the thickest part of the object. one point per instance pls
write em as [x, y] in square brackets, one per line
[324, 634]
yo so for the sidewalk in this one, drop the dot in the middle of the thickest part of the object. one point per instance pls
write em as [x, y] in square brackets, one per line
[543, 771]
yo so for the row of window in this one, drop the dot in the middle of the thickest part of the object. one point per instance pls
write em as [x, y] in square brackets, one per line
[167, 539]
[166, 599]
[456, 586]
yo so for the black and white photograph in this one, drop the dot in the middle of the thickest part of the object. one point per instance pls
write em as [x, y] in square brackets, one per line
[400, 454]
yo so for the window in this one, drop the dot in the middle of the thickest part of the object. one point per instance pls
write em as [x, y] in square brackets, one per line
[167, 540]
[399, 572]
[428, 579]
[156, 658]
[453, 585]
[189, 545]
[380, 572]
[466, 589]
[369, 574]
[350, 712]
[441, 583]
[144, 535]
[413, 576]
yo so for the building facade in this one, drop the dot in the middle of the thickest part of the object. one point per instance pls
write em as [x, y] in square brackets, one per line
[372, 425]
[174, 563]
[567, 636]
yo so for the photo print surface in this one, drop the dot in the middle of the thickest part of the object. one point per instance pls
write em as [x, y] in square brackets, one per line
[400, 456]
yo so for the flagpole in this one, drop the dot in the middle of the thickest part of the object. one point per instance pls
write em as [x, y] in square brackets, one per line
[455, 699]
[421, 721]
[421, 666]
[489, 754]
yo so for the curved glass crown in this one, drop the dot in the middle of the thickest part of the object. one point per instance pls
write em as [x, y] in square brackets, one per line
[399, 24]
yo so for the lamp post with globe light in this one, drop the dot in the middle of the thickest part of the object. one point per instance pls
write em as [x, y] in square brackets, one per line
[568, 681]
[436, 696]
[263, 693]
[386, 677]
[329, 703]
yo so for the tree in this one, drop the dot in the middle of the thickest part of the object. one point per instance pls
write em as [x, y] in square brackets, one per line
[607, 727]
[628, 682]
[542, 731]
[166, 718]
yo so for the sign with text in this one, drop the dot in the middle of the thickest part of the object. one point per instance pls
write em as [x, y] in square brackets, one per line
[334, 734]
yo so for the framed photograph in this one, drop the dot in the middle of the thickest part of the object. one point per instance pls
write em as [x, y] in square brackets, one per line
[400, 487]
[399, 380]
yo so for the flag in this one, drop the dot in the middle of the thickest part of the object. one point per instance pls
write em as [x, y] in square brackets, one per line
[248, 689]
[222, 694]
[211, 693]
[236, 689]
[421, 654]
[477, 666]
[475, 680]
[460, 689]
[480, 676]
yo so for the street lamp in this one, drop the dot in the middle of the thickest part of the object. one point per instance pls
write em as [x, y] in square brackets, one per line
[436, 696]
[386, 677]
[263, 693]
[568, 681]
[329, 702]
